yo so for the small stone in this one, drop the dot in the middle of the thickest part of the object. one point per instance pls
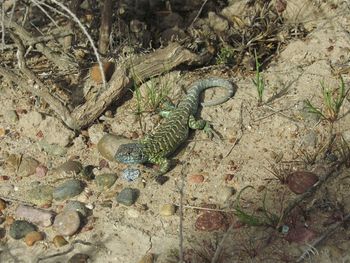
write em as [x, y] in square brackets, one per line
[20, 228]
[108, 145]
[59, 241]
[310, 139]
[88, 173]
[2, 132]
[195, 179]
[55, 132]
[148, 258]
[103, 164]
[9, 220]
[79, 258]
[35, 215]
[224, 194]
[10, 116]
[2, 232]
[27, 166]
[95, 73]
[300, 235]
[210, 221]
[167, 210]
[69, 167]
[13, 160]
[133, 213]
[78, 207]
[68, 189]
[52, 149]
[128, 196]
[105, 181]
[301, 181]
[2, 205]
[131, 174]
[217, 23]
[162, 179]
[41, 170]
[30, 121]
[32, 237]
[67, 223]
[41, 195]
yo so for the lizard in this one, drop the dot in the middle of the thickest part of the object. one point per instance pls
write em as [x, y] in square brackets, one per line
[156, 147]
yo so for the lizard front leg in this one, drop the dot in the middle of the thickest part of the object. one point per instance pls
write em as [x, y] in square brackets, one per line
[164, 165]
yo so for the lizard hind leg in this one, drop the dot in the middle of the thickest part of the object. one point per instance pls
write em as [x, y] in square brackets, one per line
[201, 124]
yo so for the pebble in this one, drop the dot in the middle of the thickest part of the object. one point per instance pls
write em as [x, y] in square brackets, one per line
[32, 237]
[224, 193]
[78, 207]
[309, 139]
[20, 228]
[2, 205]
[128, 196]
[148, 258]
[79, 258]
[27, 166]
[35, 215]
[69, 167]
[67, 223]
[13, 160]
[10, 116]
[68, 189]
[2, 232]
[131, 174]
[59, 241]
[55, 132]
[133, 213]
[108, 145]
[52, 149]
[30, 121]
[41, 195]
[195, 179]
[95, 133]
[217, 23]
[346, 135]
[88, 172]
[95, 73]
[2, 131]
[300, 235]
[9, 220]
[105, 181]
[210, 221]
[167, 210]
[41, 170]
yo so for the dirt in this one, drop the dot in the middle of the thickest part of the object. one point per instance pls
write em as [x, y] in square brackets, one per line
[279, 133]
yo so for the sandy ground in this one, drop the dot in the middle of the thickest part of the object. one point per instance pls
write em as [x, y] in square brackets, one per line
[280, 130]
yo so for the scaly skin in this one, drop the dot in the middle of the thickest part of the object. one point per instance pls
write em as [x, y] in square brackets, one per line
[173, 131]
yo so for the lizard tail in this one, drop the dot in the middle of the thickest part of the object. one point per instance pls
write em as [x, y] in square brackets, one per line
[216, 82]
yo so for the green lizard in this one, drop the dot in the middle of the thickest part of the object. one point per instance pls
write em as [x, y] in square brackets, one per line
[173, 131]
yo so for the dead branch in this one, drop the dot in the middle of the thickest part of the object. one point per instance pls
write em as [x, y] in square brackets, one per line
[61, 60]
[36, 86]
[106, 25]
[74, 5]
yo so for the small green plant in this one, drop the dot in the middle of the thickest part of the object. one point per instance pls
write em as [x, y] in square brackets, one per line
[225, 55]
[269, 219]
[333, 100]
[152, 98]
[259, 81]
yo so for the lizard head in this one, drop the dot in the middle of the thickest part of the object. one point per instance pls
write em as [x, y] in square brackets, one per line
[130, 153]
